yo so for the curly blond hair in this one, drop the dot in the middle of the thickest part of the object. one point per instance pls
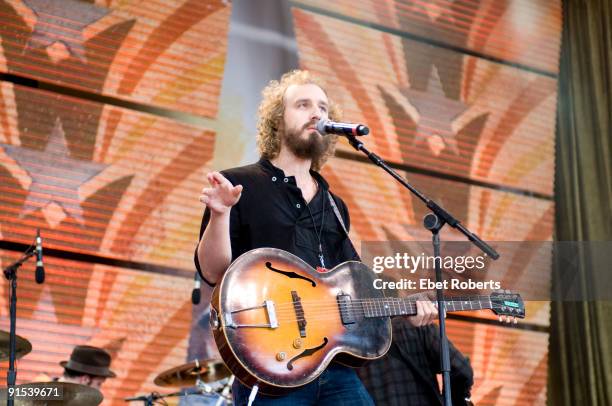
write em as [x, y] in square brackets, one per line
[272, 109]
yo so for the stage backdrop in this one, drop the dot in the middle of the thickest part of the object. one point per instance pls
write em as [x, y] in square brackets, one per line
[112, 112]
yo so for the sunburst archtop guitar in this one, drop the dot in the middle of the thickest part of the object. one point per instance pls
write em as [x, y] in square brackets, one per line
[278, 323]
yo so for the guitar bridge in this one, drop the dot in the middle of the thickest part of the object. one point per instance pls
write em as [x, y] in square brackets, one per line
[268, 305]
[299, 313]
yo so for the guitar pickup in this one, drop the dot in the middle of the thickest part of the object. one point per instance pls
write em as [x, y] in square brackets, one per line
[346, 312]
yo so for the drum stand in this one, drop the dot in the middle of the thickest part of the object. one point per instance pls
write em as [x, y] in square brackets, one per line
[149, 400]
[209, 389]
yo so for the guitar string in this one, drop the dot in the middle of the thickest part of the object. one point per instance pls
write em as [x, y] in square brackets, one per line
[380, 306]
[474, 298]
[377, 302]
[374, 307]
[366, 312]
[360, 313]
[332, 317]
[408, 310]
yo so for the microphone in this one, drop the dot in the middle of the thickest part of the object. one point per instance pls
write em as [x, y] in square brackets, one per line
[196, 294]
[40, 269]
[331, 127]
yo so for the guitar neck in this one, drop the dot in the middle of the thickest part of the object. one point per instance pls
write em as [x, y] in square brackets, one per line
[386, 307]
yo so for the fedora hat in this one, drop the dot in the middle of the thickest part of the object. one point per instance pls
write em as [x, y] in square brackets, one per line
[89, 360]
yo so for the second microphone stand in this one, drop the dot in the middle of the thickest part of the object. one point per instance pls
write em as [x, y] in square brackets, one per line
[433, 222]
[10, 272]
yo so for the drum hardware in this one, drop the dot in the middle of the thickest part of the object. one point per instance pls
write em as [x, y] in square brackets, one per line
[209, 381]
[22, 346]
[150, 399]
[198, 372]
[225, 392]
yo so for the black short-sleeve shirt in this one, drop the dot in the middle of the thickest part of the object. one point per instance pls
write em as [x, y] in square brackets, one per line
[273, 213]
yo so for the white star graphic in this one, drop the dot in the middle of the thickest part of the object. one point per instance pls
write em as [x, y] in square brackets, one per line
[62, 21]
[436, 114]
[56, 177]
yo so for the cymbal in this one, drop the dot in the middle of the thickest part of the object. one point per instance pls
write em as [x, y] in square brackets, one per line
[187, 374]
[67, 394]
[22, 346]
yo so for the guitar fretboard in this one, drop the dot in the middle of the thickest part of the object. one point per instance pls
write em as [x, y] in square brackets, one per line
[381, 307]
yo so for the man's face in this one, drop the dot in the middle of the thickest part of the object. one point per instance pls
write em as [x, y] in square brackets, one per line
[305, 105]
[97, 381]
[87, 380]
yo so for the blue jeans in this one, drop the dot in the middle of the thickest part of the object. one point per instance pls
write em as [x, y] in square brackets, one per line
[336, 386]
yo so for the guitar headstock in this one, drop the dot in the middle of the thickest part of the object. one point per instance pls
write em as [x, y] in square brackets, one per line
[506, 303]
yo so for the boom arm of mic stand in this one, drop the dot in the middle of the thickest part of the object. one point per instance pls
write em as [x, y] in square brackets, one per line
[433, 206]
[15, 265]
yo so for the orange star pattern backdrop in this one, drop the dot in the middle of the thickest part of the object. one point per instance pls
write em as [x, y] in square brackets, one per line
[105, 180]
[464, 94]
[460, 95]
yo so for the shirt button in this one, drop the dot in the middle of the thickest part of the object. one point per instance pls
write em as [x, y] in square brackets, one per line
[298, 205]
[286, 180]
[273, 178]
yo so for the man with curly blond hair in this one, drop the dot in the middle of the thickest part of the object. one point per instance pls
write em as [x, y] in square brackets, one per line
[270, 123]
[282, 201]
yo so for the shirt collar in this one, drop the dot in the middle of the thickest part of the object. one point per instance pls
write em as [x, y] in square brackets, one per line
[270, 168]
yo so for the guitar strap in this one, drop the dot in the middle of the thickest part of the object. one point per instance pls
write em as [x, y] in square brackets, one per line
[337, 213]
[339, 217]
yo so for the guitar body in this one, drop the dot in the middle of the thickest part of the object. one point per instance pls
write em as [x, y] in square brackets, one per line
[278, 322]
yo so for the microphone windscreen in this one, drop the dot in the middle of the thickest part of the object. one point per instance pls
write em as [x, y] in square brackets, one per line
[321, 126]
[40, 274]
[196, 296]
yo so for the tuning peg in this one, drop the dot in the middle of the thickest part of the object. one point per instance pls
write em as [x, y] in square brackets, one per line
[501, 319]
[515, 320]
[508, 319]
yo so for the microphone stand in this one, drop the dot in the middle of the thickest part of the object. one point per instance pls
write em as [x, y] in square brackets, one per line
[10, 273]
[434, 222]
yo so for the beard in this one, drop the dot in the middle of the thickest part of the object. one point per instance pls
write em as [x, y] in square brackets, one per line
[313, 147]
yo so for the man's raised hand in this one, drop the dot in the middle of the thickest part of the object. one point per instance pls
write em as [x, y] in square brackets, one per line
[221, 195]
